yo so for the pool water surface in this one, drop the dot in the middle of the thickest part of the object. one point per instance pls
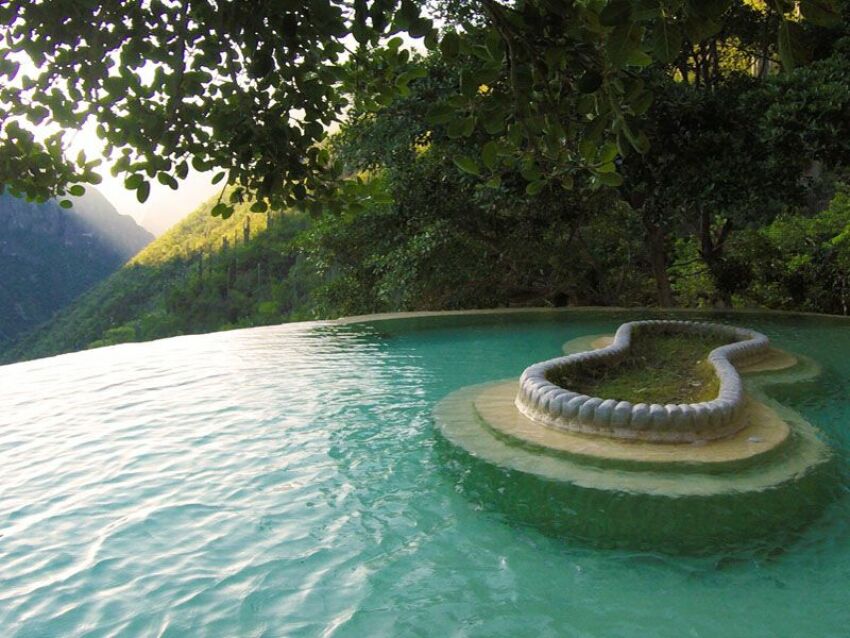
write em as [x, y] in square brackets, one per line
[289, 481]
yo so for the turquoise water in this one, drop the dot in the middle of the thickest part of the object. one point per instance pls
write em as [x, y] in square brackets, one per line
[288, 481]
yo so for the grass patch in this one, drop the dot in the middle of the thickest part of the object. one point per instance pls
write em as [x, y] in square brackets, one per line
[659, 368]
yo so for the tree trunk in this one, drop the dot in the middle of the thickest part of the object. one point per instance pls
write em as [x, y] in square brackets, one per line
[711, 252]
[658, 262]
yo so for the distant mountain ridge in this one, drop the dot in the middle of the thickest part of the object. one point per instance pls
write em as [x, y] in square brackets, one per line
[204, 274]
[120, 233]
[49, 255]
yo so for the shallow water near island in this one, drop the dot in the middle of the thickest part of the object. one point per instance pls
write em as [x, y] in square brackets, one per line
[289, 481]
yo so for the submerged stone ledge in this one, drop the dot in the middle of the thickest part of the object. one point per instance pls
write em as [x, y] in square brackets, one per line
[543, 401]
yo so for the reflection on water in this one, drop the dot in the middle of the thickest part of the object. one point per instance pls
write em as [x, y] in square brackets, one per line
[287, 481]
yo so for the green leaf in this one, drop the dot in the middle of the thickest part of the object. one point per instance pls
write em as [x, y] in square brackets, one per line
[494, 123]
[699, 29]
[219, 209]
[133, 182]
[455, 128]
[711, 9]
[530, 171]
[495, 45]
[407, 13]
[468, 83]
[638, 58]
[440, 114]
[623, 42]
[587, 149]
[641, 102]
[590, 81]
[77, 191]
[608, 152]
[450, 45]
[431, 40]
[468, 126]
[616, 12]
[641, 143]
[143, 192]
[218, 177]
[585, 104]
[467, 165]
[535, 187]
[420, 28]
[666, 41]
[490, 154]
[595, 129]
[623, 144]
[610, 179]
[404, 78]
[792, 50]
[648, 10]
[65, 203]
[167, 180]
[824, 13]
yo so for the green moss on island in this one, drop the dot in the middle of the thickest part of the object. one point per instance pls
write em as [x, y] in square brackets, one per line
[660, 368]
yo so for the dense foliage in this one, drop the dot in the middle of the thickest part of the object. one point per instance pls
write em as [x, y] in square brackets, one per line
[530, 153]
[252, 92]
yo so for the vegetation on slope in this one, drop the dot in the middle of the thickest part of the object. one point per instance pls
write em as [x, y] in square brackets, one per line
[205, 274]
[394, 257]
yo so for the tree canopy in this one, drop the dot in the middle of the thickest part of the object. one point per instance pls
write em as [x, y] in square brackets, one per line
[251, 90]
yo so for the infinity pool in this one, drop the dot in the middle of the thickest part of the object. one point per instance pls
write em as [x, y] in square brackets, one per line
[289, 481]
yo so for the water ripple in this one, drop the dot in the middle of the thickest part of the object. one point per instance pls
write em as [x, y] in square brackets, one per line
[283, 481]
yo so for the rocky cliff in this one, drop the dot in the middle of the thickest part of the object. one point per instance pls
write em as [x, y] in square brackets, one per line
[49, 255]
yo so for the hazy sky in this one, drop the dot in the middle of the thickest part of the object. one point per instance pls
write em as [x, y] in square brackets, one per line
[193, 190]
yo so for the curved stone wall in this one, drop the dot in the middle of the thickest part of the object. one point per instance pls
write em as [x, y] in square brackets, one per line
[543, 401]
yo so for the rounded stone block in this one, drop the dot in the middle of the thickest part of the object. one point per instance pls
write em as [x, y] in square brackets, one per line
[604, 412]
[657, 417]
[621, 415]
[540, 398]
[640, 416]
[587, 411]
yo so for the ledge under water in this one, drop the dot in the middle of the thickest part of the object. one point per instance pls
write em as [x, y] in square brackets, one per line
[760, 472]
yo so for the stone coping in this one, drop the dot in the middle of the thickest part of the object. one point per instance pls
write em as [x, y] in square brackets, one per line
[519, 310]
[763, 432]
[545, 402]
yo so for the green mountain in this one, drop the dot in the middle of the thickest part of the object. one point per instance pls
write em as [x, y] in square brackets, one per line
[204, 274]
[49, 255]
